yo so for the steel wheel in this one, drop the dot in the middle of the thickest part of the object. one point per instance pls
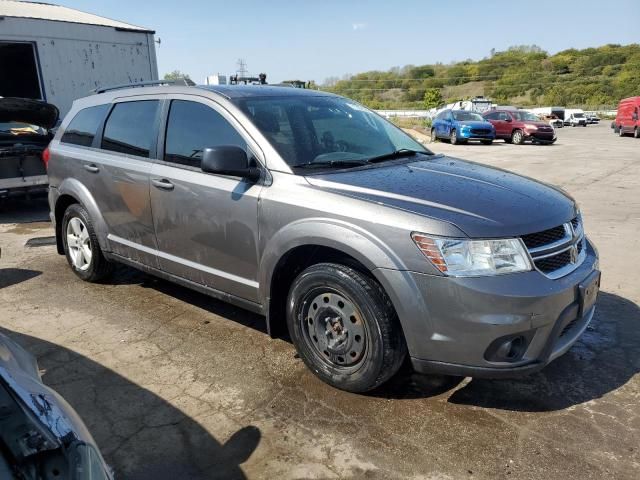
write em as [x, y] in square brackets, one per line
[79, 243]
[333, 329]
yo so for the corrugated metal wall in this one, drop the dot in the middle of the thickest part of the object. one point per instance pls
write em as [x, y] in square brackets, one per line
[76, 58]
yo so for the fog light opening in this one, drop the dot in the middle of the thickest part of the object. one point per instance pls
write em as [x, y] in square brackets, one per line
[507, 349]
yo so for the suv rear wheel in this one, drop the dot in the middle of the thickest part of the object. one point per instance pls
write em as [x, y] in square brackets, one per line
[81, 245]
[344, 327]
[434, 137]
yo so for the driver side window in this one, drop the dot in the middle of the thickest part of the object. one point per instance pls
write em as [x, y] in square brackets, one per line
[192, 127]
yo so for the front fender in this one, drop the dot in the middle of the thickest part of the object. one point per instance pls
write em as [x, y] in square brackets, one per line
[350, 239]
[75, 189]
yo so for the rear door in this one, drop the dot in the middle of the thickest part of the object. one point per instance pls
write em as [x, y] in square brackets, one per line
[121, 170]
[206, 224]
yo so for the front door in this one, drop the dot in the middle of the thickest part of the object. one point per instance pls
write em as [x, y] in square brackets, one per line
[206, 225]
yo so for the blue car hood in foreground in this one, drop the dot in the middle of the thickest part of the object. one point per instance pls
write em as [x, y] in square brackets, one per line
[481, 201]
[58, 423]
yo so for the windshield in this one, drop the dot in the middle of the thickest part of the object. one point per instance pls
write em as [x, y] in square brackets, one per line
[463, 116]
[525, 116]
[18, 128]
[310, 129]
[578, 115]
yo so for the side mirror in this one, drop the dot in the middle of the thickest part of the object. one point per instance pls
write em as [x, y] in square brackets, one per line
[508, 119]
[228, 160]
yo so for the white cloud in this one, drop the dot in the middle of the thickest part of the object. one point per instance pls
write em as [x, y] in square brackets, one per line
[359, 26]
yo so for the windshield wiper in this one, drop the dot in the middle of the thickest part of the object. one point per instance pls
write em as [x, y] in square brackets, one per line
[332, 164]
[403, 152]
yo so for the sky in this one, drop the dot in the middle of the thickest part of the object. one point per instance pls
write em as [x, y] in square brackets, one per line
[307, 40]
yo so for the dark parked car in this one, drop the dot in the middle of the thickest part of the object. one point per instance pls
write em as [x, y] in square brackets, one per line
[24, 135]
[41, 436]
[459, 126]
[518, 126]
[312, 210]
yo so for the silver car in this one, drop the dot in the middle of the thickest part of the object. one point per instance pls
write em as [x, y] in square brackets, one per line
[343, 231]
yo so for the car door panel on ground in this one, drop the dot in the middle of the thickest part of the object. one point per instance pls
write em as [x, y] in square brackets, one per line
[206, 225]
[123, 165]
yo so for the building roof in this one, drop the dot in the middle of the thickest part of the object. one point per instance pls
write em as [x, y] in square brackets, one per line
[58, 13]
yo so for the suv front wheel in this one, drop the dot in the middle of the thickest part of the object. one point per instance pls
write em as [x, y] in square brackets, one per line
[344, 327]
[81, 245]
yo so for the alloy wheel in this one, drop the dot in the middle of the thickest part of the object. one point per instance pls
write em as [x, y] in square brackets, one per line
[79, 244]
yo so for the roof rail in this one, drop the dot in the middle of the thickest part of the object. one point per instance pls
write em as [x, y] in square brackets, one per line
[178, 81]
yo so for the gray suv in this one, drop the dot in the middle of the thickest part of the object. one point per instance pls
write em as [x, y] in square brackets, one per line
[338, 227]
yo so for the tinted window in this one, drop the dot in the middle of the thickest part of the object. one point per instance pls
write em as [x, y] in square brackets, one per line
[84, 126]
[491, 116]
[464, 116]
[131, 128]
[191, 128]
[317, 129]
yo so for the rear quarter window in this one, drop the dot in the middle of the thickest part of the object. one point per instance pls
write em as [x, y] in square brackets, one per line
[82, 129]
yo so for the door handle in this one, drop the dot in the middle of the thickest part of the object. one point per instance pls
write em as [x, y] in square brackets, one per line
[91, 168]
[162, 183]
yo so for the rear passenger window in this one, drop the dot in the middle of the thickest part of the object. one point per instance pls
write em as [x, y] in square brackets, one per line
[192, 127]
[84, 126]
[131, 128]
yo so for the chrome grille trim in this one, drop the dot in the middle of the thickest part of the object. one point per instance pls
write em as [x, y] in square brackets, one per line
[573, 241]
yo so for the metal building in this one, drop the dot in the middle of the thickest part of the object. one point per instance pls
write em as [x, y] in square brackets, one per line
[58, 54]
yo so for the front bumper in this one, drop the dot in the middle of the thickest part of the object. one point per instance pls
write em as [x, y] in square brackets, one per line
[471, 134]
[451, 323]
[540, 136]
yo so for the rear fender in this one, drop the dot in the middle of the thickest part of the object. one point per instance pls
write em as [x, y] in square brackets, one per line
[75, 189]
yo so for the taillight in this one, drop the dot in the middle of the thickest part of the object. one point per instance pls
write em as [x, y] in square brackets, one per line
[45, 157]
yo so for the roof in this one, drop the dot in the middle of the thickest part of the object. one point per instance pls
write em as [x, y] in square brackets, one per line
[58, 13]
[245, 91]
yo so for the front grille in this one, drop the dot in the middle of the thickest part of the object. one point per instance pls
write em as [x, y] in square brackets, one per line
[556, 262]
[535, 240]
[555, 250]
[480, 131]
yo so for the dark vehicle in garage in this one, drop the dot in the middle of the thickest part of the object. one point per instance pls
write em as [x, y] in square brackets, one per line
[314, 211]
[41, 436]
[518, 126]
[25, 132]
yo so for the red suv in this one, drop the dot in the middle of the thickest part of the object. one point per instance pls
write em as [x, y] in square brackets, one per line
[628, 117]
[518, 126]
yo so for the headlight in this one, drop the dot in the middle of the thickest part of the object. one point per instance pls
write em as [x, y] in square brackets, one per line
[472, 258]
[530, 126]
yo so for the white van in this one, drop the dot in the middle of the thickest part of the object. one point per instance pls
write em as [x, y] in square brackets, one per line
[575, 117]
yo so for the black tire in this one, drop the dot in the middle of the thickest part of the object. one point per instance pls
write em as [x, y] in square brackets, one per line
[315, 318]
[517, 137]
[434, 137]
[636, 132]
[98, 267]
[620, 131]
[486, 142]
[453, 137]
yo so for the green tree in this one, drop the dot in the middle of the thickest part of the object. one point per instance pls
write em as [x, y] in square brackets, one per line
[176, 74]
[432, 98]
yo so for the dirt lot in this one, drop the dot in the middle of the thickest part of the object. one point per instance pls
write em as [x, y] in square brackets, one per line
[176, 385]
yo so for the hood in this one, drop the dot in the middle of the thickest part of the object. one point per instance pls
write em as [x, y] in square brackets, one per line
[474, 123]
[19, 371]
[26, 110]
[479, 200]
[537, 123]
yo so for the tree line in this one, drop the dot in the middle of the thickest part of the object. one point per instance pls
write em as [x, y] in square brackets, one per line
[523, 75]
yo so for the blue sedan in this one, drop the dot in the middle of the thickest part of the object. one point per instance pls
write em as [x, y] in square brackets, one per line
[459, 126]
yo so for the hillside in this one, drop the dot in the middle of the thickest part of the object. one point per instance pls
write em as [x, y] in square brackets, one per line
[522, 75]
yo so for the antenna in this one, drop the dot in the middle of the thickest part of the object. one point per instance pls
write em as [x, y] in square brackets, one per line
[242, 68]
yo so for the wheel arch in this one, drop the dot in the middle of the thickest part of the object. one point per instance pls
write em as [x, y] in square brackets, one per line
[73, 191]
[299, 246]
